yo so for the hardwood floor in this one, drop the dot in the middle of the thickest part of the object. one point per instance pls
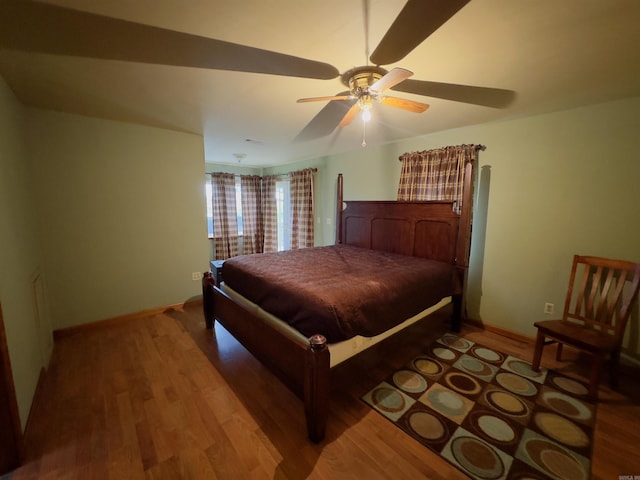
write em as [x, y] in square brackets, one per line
[163, 398]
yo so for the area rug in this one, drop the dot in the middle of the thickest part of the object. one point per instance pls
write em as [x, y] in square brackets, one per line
[489, 413]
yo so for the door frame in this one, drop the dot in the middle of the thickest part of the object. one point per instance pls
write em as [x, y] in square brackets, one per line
[12, 439]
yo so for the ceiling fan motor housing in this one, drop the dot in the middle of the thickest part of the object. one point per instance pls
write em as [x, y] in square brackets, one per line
[359, 79]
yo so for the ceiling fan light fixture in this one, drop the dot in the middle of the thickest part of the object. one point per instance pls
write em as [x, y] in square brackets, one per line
[365, 104]
[366, 114]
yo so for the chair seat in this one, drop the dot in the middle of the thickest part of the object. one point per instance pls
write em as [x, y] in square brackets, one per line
[577, 335]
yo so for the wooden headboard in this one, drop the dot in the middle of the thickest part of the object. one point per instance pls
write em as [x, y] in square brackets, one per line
[419, 229]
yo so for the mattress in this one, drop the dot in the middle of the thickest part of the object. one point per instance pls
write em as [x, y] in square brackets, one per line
[340, 291]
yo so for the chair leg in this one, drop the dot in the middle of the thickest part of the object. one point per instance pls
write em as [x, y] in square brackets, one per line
[596, 370]
[537, 353]
[559, 352]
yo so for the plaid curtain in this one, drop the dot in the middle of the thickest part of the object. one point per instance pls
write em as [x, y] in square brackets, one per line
[251, 195]
[302, 208]
[269, 214]
[225, 216]
[435, 174]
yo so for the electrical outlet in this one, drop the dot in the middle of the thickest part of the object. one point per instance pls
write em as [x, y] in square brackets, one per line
[196, 276]
[548, 308]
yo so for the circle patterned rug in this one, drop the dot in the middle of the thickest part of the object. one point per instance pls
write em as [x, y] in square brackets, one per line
[489, 413]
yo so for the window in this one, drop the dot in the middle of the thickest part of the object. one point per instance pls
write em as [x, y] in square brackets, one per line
[239, 204]
[283, 212]
[209, 196]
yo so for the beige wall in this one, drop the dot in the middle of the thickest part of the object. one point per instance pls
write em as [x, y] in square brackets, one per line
[110, 216]
[20, 257]
[122, 215]
[554, 185]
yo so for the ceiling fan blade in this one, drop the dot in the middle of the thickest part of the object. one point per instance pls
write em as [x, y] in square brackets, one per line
[404, 104]
[487, 97]
[350, 115]
[326, 120]
[46, 28]
[415, 22]
[391, 79]
[324, 99]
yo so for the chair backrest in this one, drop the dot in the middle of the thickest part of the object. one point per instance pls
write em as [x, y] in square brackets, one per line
[601, 293]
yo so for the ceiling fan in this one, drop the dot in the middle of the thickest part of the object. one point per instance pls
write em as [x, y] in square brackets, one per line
[367, 85]
[47, 28]
[417, 20]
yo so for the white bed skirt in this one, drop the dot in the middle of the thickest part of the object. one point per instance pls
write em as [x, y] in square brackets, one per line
[341, 351]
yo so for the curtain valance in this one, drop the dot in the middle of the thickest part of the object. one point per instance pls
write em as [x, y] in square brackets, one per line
[436, 174]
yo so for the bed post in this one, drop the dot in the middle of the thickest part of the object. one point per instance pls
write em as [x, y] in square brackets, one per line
[456, 315]
[316, 387]
[339, 201]
[466, 212]
[208, 298]
[463, 245]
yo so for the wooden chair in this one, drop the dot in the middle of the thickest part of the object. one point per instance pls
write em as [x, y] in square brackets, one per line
[595, 314]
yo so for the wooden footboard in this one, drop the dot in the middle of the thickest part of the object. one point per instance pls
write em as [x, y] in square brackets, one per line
[302, 366]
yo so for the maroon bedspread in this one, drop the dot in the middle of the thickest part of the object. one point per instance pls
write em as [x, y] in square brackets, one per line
[340, 291]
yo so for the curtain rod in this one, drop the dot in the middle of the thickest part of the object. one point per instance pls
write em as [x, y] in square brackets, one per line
[478, 147]
[313, 170]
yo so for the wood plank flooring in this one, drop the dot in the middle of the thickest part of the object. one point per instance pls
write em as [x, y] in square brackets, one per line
[163, 398]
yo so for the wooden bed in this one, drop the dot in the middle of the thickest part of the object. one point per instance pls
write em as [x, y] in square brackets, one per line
[429, 230]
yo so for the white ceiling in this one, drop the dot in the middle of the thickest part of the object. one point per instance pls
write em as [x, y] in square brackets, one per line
[553, 54]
